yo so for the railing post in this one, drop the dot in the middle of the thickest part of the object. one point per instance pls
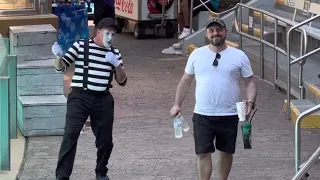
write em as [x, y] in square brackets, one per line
[312, 160]
[288, 74]
[191, 16]
[298, 134]
[303, 51]
[12, 73]
[179, 9]
[240, 24]
[4, 124]
[275, 50]
[262, 46]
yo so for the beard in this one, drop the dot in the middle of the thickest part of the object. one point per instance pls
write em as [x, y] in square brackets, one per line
[217, 40]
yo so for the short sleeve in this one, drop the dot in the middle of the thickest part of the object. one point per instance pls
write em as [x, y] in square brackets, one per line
[246, 70]
[189, 67]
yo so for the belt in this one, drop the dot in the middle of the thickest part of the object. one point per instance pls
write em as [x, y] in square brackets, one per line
[91, 92]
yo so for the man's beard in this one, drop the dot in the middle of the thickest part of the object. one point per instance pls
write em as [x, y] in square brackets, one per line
[217, 42]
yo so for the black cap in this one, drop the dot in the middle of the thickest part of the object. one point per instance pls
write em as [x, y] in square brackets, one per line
[106, 22]
[216, 20]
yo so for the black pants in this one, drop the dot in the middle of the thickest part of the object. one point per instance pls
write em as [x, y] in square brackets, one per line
[80, 105]
[222, 129]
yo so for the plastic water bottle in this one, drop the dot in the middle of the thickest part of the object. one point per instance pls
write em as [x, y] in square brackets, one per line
[177, 124]
[184, 124]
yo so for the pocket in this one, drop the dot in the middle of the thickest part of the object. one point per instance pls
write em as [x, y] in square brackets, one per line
[70, 96]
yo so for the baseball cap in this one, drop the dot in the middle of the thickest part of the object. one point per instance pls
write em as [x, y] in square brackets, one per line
[215, 20]
[106, 22]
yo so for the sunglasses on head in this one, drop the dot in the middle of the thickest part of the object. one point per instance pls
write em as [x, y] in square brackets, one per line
[215, 62]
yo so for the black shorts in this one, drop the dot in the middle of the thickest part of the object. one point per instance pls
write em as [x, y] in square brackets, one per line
[222, 129]
[102, 10]
[202, 8]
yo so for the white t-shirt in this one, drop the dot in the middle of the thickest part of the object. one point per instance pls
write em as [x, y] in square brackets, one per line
[217, 87]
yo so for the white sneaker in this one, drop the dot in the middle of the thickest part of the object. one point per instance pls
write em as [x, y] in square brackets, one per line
[177, 45]
[185, 32]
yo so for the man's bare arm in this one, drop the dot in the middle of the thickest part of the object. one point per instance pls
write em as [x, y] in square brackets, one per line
[251, 90]
[120, 76]
[183, 88]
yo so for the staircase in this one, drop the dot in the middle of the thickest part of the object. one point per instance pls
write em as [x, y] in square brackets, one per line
[303, 97]
[41, 104]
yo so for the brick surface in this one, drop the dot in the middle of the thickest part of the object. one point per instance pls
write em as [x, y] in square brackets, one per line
[145, 147]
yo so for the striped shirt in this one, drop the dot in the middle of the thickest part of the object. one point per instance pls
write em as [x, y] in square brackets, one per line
[99, 71]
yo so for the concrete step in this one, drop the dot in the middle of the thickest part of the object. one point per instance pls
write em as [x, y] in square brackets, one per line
[38, 78]
[300, 15]
[32, 42]
[284, 14]
[41, 115]
[310, 68]
[313, 93]
[7, 21]
[299, 106]
[283, 26]
[268, 33]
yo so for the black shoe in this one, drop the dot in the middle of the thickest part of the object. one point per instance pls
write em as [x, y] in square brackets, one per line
[102, 177]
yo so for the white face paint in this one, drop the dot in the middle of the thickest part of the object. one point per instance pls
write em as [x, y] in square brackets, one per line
[108, 36]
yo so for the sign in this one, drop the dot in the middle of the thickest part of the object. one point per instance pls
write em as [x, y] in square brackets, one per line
[250, 22]
[306, 7]
[290, 3]
[314, 8]
[127, 8]
[298, 4]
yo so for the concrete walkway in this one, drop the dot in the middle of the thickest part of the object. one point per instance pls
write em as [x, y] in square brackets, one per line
[145, 147]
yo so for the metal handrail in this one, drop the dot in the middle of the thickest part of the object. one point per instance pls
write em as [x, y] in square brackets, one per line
[303, 47]
[306, 167]
[289, 63]
[298, 135]
[204, 4]
[313, 159]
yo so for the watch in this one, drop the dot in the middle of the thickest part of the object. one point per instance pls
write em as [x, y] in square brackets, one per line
[253, 104]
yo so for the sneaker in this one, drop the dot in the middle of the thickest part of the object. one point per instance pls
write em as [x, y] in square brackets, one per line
[185, 33]
[177, 45]
[102, 177]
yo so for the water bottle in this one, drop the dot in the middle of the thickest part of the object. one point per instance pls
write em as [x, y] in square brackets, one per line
[177, 124]
[184, 124]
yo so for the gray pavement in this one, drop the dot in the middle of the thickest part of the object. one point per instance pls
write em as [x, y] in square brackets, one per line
[145, 147]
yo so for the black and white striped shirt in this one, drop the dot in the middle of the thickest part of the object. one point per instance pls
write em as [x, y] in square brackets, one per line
[99, 70]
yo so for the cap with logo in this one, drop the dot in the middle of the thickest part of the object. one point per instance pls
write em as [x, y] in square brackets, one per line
[217, 21]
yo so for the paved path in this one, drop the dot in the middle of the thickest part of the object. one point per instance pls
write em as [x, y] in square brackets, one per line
[145, 147]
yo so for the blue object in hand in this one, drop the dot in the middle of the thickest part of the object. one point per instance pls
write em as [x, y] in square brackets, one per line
[73, 24]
